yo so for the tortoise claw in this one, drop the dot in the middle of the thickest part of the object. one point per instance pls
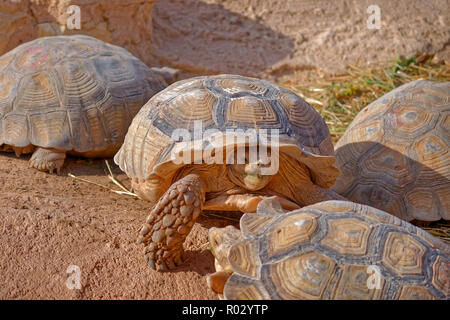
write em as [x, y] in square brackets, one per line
[178, 260]
[151, 263]
[162, 266]
[171, 265]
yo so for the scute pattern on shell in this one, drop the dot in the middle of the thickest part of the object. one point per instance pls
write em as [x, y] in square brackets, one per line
[224, 102]
[395, 154]
[330, 250]
[72, 93]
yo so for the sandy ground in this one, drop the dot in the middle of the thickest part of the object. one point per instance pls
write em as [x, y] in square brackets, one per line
[50, 222]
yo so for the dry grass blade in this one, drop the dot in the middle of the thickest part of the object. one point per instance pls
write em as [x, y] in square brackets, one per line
[339, 98]
[114, 180]
[126, 192]
[87, 181]
[440, 230]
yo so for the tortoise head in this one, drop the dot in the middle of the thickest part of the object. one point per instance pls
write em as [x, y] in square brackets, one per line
[249, 174]
[221, 241]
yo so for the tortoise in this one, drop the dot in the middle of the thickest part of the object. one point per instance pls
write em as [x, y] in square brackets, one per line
[335, 249]
[394, 155]
[70, 95]
[224, 177]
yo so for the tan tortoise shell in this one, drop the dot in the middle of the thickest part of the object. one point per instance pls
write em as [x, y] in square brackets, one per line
[71, 93]
[226, 102]
[331, 250]
[395, 154]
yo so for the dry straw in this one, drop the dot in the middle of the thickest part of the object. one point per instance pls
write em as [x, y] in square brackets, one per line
[338, 98]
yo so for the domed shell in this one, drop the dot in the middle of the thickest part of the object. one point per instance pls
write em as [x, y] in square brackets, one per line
[394, 156]
[71, 93]
[223, 103]
[335, 250]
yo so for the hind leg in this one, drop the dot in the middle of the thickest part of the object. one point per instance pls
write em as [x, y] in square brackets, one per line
[17, 150]
[47, 160]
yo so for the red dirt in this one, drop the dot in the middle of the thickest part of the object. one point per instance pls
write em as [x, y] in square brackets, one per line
[50, 222]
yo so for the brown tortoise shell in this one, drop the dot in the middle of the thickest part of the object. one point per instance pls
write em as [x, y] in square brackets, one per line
[226, 102]
[330, 250]
[71, 93]
[394, 156]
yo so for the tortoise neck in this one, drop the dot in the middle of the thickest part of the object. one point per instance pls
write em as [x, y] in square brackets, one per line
[213, 176]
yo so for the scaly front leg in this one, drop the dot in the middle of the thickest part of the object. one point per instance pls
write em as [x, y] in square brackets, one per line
[170, 221]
